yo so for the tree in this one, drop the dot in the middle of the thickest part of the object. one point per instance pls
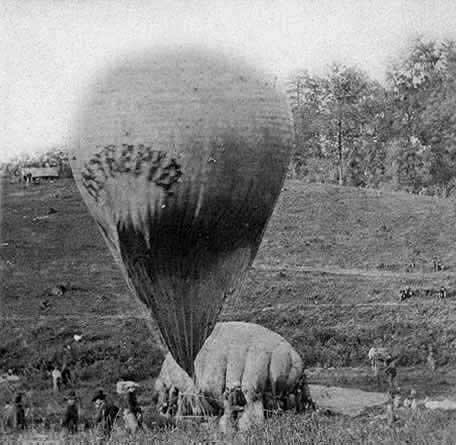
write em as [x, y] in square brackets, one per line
[354, 131]
[423, 85]
[407, 165]
[336, 118]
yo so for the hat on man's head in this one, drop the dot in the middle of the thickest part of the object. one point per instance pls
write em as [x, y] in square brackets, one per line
[99, 395]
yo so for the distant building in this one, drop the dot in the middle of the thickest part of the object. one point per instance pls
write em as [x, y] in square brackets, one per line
[38, 173]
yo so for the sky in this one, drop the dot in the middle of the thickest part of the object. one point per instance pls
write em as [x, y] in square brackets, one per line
[49, 50]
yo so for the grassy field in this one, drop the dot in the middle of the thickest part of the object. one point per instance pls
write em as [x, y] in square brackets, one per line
[420, 429]
[327, 278]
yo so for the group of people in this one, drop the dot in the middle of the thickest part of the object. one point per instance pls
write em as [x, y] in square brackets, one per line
[247, 403]
[437, 265]
[61, 377]
[407, 292]
[105, 413]
[382, 360]
[14, 414]
[397, 402]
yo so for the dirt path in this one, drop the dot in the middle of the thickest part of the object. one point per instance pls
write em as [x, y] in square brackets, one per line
[335, 270]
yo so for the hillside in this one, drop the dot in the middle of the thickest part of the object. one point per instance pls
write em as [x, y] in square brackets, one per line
[327, 277]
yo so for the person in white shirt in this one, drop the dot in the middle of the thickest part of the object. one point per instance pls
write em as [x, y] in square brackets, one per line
[56, 379]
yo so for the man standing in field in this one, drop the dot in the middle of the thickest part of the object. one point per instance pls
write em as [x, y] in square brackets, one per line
[66, 375]
[391, 406]
[56, 379]
[19, 412]
[71, 416]
[133, 405]
[391, 372]
[378, 355]
[442, 293]
[408, 292]
[431, 359]
[132, 413]
[106, 413]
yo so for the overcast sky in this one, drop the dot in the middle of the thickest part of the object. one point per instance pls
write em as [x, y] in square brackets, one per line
[51, 48]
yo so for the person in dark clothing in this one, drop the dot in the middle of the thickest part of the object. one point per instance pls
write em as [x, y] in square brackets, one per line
[66, 375]
[106, 413]
[71, 416]
[391, 372]
[133, 405]
[303, 397]
[442, 293]
[20, 412]
[406, 293]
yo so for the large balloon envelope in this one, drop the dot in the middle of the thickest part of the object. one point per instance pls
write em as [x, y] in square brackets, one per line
[180, 157]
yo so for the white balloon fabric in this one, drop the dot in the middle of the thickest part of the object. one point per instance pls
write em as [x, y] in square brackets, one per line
[180, 157]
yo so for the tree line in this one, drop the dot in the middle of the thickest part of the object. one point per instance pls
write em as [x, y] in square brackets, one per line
[353, 130]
